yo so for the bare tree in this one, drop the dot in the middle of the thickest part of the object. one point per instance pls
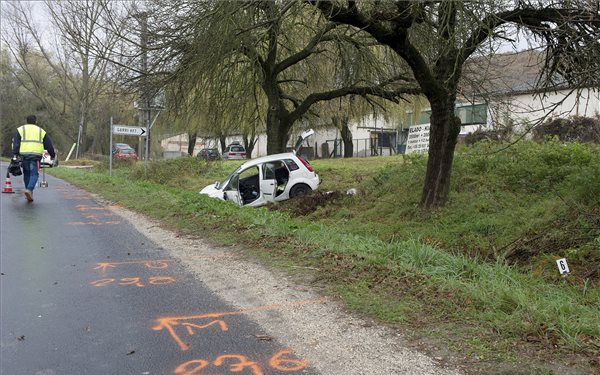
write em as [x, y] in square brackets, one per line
[436, 38]
[72, 58]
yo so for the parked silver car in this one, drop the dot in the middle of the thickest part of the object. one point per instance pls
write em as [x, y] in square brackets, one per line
[234, 151]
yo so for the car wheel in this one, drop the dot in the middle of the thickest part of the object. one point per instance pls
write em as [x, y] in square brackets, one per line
[299, 190]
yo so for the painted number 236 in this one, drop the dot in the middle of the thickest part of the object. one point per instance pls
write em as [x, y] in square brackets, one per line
[277, 362]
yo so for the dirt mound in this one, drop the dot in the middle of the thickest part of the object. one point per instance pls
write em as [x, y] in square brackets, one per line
[302, 206]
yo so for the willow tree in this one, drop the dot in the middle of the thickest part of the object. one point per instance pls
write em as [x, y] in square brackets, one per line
[436, 38]
[273, 49]
[201, 112]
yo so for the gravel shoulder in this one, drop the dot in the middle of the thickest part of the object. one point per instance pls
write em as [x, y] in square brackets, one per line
[330, 339]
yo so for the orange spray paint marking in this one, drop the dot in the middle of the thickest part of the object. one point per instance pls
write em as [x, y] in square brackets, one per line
[104, 266]
[161, 280]
[190, 327]
[194, 367]
[186, 369]
[135, 281]
[96, 216]
[286, 364]
[102, 282]
[159, 263]
[85, 207]
[131, 281]
[170, 323]
[156, 264]
[241, 365]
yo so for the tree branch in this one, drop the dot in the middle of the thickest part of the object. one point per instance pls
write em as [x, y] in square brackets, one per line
[379, 91]
[307, 50]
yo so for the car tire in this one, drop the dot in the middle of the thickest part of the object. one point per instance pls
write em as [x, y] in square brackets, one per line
[299, 190]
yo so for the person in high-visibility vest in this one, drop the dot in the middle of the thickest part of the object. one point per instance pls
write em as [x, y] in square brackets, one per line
[30, 141]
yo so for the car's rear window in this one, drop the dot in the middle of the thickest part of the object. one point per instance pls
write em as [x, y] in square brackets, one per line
[237, 149]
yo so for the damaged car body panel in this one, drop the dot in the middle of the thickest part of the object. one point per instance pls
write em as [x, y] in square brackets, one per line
[267, 179]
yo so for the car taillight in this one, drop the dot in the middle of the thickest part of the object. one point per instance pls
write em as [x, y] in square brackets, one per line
[306, 164]
[231, 154]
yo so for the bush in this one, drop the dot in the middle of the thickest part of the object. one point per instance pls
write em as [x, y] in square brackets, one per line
[168, 171]
[496, 135]
[574, 129]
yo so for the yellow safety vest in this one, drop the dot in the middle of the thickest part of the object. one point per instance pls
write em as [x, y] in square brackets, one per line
[32, 140]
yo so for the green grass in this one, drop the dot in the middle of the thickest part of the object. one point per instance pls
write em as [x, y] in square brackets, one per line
[479, 272]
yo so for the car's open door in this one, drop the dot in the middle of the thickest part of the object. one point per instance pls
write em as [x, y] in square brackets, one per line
[231, 191]
[268, 182]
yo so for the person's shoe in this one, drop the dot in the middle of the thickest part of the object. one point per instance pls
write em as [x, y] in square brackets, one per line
[28, 195]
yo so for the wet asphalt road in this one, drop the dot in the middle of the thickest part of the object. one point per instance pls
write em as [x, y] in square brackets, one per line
[82, 292]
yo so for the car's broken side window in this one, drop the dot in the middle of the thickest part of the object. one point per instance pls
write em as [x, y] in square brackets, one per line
[291, 164]
[269, 171]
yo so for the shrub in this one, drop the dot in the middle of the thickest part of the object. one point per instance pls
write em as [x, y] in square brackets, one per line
[574, 129]
[496, 135]
[170, 170]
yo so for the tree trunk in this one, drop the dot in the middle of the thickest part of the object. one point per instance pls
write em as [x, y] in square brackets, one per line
[347, 138]
[222, 142]
[277, 132]
[249, 143]
[192, 136]
[443, 134]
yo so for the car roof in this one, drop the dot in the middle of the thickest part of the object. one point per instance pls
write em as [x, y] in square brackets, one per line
[268, 158]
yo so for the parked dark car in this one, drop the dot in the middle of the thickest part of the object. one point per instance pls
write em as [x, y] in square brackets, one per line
[209, 154]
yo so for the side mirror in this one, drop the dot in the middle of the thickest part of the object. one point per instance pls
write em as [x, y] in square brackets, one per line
[217, 185]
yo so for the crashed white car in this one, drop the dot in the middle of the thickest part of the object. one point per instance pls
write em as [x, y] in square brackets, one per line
[271, 178]
[47, 161]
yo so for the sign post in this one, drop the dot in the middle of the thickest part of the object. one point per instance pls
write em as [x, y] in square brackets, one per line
[137, 131]
[129, 130]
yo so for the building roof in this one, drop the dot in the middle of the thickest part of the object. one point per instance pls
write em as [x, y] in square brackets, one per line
[505, 74]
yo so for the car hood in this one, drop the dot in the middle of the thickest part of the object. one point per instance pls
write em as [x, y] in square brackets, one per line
[212, 191]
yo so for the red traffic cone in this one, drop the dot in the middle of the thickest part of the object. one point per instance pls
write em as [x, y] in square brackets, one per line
[7, 185]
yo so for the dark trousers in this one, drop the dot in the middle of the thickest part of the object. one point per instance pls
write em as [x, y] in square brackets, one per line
[31, 172]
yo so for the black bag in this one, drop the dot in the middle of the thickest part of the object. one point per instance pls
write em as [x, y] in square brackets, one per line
[14, 167]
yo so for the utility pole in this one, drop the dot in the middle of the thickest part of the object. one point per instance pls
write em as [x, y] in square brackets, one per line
[145, 96]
